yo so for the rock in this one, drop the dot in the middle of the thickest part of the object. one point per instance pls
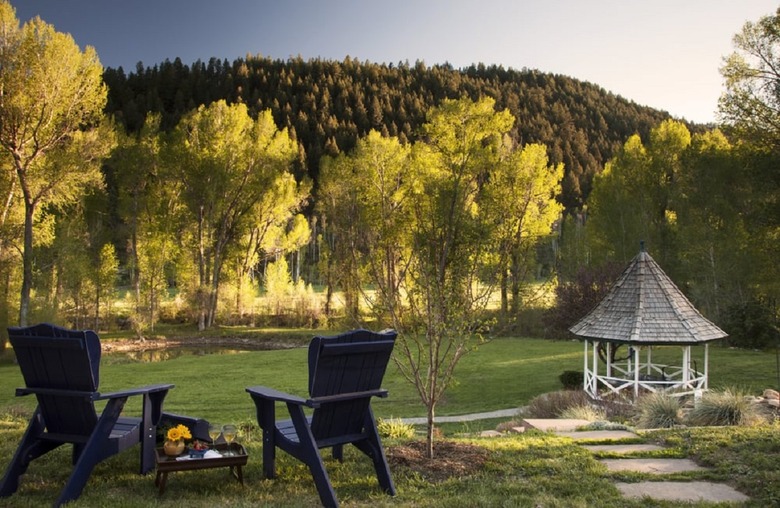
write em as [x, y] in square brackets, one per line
[771, 394]
[490, 433]
[517, 430]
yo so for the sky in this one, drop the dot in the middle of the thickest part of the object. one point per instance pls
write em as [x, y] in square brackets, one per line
[665, 54]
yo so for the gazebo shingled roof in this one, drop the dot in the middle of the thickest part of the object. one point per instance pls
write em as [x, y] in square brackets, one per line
[645, 307]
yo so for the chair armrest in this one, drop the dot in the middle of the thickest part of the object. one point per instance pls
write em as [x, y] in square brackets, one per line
[317, 401]
[144, 390]
[264, 392]
[58, 393]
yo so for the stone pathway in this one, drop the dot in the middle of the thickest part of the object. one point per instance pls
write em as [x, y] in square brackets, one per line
[662, 490]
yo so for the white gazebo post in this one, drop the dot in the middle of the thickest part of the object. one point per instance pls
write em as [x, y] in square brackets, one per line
[636, 372]
[587, 378]
[686, 371]
[649, 359]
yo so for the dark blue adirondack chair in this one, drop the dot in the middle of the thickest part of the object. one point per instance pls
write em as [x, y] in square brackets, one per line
[345, 372]
[60, 367]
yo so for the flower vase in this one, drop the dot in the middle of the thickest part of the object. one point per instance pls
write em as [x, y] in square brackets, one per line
[173, 448]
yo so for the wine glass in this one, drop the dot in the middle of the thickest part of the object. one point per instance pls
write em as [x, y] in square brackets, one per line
[214, 431]
[229, 433]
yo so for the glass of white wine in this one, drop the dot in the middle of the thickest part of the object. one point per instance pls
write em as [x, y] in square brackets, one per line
[229, 433]
[214, 431]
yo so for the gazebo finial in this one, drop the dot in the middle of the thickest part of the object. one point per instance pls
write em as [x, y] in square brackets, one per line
[641, 245]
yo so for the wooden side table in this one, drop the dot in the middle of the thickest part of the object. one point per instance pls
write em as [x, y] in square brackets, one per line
[166, 464]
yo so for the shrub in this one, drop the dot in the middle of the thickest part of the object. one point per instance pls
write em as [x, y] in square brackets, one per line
[729, 407]
[658, 411]
[394, 428]
[751, 324]
[576, 296]
[572, 379]
[586, 412]
[553, 404]
[618, 408]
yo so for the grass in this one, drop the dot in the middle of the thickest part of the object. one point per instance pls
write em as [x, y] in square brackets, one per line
[532, 469]
[526, 470]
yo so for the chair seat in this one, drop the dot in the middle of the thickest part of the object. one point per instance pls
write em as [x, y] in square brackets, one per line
[126, 431]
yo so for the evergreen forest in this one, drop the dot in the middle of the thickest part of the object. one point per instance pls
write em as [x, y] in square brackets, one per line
[328, 105]
[451, 202]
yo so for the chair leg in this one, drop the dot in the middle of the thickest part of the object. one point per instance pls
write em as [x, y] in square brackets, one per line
[372, 447]
[94, 451]
[310, 455]
[29, 449]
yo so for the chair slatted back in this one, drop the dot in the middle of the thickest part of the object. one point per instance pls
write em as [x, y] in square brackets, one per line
[61, 359]
[349, 363]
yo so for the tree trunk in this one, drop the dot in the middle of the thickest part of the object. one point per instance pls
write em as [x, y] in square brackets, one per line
[430, 431]
[202, 283]
[27, 262]
[504, 295]
[136, 274]
[97, 307]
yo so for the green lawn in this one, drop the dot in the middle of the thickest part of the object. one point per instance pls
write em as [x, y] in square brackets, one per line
[523, 470]
[501, 374]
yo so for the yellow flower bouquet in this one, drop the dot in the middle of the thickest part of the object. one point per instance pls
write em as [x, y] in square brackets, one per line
[178, 433]
[174, 440]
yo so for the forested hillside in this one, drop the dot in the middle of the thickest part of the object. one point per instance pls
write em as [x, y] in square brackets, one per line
[328, 105]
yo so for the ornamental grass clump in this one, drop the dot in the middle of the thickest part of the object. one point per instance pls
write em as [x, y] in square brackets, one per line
[729, 407]
[394, 428]
[658, 411]
[553, 404]
[584, 412]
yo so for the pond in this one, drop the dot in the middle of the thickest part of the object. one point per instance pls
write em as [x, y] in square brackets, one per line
[7, 357]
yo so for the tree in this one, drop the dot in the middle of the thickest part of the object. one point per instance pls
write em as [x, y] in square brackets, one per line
[51, 104]
[750, 107]
[364, 197]
[145, 197]
[105, 280]
[521, 200]
[226, 164]
[751, 102]
[636, 197]
[450, 238]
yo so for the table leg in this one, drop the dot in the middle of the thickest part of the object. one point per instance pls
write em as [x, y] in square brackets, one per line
[237, 473]
[160, 481]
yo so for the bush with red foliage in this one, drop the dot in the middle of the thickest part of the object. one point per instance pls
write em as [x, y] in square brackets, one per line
[575, 298]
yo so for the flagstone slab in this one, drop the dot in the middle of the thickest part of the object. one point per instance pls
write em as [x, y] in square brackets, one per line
[652, 465]
[555, 424]
[682, 491]
[623, 448]
[599, 435]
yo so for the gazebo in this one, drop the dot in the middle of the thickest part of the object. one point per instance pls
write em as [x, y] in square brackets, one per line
[643, 309]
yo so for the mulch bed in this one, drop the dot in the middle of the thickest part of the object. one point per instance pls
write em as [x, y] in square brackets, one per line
[450, 459]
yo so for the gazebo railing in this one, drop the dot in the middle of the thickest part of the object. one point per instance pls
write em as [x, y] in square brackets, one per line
[615, 385]
[639, 374]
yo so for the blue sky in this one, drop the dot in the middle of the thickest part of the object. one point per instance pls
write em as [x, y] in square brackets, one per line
[660, 53]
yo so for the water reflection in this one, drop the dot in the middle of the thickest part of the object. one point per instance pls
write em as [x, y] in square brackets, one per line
[161, 355]
[7, 357]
